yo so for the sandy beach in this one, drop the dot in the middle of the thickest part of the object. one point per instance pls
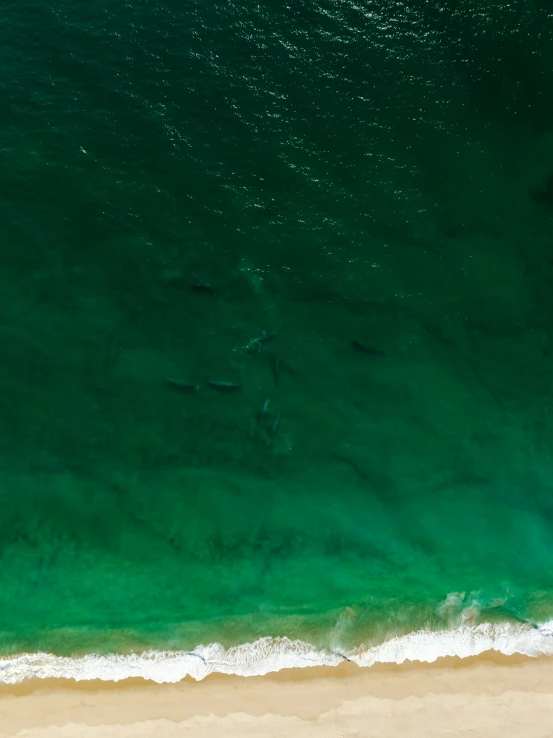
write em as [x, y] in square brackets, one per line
[487, 696]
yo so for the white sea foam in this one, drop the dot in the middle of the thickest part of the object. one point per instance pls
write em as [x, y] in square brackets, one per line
[272, 654]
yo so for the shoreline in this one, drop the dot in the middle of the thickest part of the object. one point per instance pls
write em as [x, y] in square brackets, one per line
[268, 655]
[489, 694]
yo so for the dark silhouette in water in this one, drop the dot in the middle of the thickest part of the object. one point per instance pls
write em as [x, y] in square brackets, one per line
[263, 412]
[256, 343]
[224, 386]
[185, 387]
[204, 288]
[366, 349]
[268, 422]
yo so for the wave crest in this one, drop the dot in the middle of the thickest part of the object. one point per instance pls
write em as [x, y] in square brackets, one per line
[272, 654]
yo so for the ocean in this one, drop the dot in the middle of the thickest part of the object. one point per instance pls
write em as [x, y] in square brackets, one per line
[276, 376]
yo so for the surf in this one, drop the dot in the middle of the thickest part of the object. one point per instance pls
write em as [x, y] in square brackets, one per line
[267, 655]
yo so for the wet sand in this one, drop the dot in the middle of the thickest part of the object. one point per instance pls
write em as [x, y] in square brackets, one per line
[489, 695]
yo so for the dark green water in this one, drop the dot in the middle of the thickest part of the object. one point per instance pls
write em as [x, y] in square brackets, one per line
[337, 171]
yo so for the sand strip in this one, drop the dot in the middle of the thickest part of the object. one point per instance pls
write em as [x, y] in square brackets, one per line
[488, 695]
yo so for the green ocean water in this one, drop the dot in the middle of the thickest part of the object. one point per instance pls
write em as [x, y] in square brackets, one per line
[178, 179]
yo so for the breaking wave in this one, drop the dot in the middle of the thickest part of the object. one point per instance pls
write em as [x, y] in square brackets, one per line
[273, 654]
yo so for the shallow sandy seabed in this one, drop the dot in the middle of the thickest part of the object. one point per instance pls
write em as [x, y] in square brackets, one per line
[487, 695]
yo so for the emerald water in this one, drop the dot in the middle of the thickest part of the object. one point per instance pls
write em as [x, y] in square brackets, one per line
[237, 193]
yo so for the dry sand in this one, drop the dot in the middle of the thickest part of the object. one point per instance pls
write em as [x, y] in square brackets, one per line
[482, 696]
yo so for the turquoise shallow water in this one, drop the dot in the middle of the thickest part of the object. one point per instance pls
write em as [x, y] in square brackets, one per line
[178, 180]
